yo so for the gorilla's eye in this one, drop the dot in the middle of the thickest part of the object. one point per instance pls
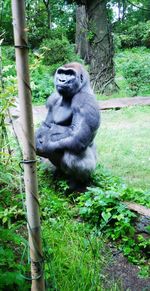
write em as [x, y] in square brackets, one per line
[81, 77]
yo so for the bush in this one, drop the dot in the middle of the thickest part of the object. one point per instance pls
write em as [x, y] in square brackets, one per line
[136, 35]
[9, 53]
[41, 83]
[57, 52]
[137, 73]
[102, 206]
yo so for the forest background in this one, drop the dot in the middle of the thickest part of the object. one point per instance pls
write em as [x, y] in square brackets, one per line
[112, 39]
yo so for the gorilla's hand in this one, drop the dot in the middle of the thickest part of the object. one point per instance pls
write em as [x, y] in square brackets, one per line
[48, 138]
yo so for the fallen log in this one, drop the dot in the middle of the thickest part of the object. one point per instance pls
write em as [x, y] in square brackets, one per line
[138, 208]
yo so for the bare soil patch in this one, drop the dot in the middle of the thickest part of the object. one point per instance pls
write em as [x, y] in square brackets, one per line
[118, 103]
[125, 274]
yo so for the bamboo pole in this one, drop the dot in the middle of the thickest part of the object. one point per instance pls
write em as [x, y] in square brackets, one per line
[29, 156]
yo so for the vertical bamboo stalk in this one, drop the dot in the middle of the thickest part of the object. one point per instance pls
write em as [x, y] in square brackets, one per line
[30, 173]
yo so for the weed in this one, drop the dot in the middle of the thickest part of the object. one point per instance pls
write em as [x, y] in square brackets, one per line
[102, 206]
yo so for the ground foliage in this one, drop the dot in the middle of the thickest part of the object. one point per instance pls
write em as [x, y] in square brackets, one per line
[74, 229]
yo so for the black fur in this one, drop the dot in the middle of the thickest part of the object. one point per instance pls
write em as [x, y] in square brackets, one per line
[66, 137]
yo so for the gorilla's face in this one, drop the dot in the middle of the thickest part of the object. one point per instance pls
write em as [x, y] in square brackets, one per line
[68, 82]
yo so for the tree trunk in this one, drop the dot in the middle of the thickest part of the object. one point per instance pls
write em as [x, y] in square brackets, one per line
[119, 10]
[98, 40]
[49, 16]
[123, 9]
[48, 10]
[81, 33]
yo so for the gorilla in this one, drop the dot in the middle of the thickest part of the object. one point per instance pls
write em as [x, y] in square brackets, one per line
[66, 136]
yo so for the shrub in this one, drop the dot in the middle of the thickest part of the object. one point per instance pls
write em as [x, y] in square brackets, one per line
[57, 52]
[41, 83]
[102, 206]
[9, 53]
[136, 35]
[137, 73]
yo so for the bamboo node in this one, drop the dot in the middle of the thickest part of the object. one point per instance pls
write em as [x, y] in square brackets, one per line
[28, 161]
[37, 269]
[22, 46]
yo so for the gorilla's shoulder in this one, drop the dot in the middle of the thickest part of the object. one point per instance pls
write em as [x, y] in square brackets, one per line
[84, 99]
[87, 105]
[52, 99]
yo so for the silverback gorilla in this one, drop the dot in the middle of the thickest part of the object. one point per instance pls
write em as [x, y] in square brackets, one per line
[66, 136]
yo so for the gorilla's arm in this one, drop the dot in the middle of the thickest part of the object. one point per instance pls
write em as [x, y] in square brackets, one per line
[81, 132]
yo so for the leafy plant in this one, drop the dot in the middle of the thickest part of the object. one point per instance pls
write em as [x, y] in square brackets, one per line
[103, 206]
[41, 82]
[134, 36]
[105, 209]
[137, 73]
[57, 52]
[10, 273]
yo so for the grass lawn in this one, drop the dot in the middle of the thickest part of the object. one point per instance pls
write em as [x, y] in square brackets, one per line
[123, 144]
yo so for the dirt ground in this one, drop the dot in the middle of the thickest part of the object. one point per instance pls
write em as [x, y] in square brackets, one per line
[125, 275]
[118, 103]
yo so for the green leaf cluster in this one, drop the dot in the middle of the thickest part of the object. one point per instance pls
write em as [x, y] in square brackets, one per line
[134, 36]
[10, 268]
[57, 52]
[137, 73]
[103, 207]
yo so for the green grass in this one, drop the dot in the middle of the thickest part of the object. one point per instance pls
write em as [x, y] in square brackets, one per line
[75, 261]
[123, 144]
[73, 253]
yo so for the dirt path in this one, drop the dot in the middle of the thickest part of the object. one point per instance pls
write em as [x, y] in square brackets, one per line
[118, 103]
[39, 111]
[124, 274]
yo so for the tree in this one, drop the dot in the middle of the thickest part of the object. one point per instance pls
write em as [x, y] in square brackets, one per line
[95, 43]
[81, 33]
[132, 24]
[48, 9]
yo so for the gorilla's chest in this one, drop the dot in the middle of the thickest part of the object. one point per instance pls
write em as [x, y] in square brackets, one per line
[62, 114]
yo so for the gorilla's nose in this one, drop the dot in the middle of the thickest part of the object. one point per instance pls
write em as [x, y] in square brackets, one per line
[62, 80]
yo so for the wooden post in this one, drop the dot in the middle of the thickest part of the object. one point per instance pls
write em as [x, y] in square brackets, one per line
[29, 156]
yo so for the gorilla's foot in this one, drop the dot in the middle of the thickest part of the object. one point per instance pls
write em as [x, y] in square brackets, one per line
[77, 186]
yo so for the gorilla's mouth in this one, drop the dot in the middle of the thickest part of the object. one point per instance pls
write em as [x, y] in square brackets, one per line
[64, 90]
[61, 87]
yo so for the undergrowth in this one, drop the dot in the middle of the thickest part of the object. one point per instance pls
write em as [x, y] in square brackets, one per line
[75, 230]
[101, 208]
[102, 205]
